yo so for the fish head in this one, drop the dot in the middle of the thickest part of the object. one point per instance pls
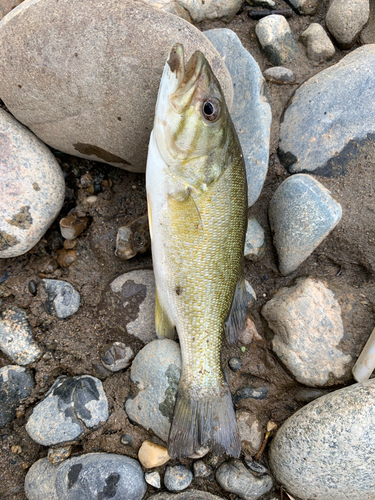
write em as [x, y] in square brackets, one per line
[191, 121]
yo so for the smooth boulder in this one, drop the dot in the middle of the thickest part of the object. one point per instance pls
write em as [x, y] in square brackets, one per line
[85, 78]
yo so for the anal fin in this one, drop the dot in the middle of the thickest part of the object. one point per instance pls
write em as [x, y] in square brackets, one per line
[236, 322]
[164, 328]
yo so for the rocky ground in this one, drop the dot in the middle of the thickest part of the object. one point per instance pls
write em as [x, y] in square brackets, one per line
[107, 198]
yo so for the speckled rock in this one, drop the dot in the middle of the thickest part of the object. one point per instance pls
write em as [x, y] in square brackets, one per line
[276, 39]
[301, 214]
[235, 478]
[138, 287]
[16, 339]
[94, 476]
[177, 478]
[251, 432]
[329, 119]
[95, 94]
[118, 357]
[279, 74]
[7, 5]
[306, 319]
[156, 371]
[133, 238]
[62, 298]
[318, 45]
[185, 495]
[346, 20]
[32, 184]
[152, 455]
[251, 112]
[15, 384]
[71, 404]
[326, 450]
[307, 7]
[255, 241]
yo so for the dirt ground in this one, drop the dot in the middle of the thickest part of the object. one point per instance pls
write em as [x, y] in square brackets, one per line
[345, 261]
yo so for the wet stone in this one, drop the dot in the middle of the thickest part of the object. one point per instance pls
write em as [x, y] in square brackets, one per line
[133, 238]
[251, 112]
[326, 450]
[201, 469]
[153, 478]
[15, 384]
[62, 298]
[260, 392]
[118, 357]
[71, 405]
[301, 214]
[110, 477]
[16, 339]
[235, 478]
[255, 241]
[279, 74]
[156, 371]
[234, 364]
[318, 44]
[345, 22]
[177, 478]
[306, 320]
[276, 39]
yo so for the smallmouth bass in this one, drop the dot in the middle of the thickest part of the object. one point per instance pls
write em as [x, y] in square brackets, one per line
[197, 208]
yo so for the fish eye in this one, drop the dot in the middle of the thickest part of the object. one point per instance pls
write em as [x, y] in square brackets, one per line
[211, 109]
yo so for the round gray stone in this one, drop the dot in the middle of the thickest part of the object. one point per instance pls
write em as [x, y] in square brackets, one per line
[71, 405]
[235, 478]
[306, 320]
[16, 339]
[301, 214]
[326, 450]
[251, 112]
[15, 384]
[329, 118]
[177, 478]
[255, 241]
[318, 45]
[156, 371]
[62, 298]
[276, 39]
[279, 74]
[345, 20]
[88, 95]
[32, 186]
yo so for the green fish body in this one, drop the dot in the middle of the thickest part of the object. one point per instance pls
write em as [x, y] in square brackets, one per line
[197, 207]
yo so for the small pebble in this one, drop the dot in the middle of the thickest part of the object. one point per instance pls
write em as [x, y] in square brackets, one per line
[57, 455]
[72, 226]
[279, 74]
[127, 440]
[91, 200]
[62, 298]
[66, 258]
[152, 455]
[234, 364]
[133, 238]
[255, 240]
[16, 449]
[118, 357]
[177, 478]
[153, 478]
[32, 287]
[70, 244]
[201, 469]
[318, 45]
[250, 392]
[276, 39]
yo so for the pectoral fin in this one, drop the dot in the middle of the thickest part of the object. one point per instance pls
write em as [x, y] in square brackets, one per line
[236, 321]
[164, 328]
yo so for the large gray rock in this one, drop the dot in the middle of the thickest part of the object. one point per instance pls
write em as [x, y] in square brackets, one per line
[326, 450]
[94, 476]
[345, 20]
[301, 214]
[15, 384]
[156, 371]
[251, 112]
[329, 117]
[235, 478]
[72, 405]
[276, 39]
[306, 320]
[89, 95]
[32, 186]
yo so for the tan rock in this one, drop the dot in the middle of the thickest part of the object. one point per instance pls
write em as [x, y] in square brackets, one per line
[85, 78]
[152, 455]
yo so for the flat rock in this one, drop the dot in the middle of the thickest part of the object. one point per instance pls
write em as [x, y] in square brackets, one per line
[306, 320]
[251, 112]
[318, 45]
[156, 371]
[185, 495]
[235, 478]
[276, 39]
[301, 214]
[135, 294]
[15, 384]
[279, 74]
[255, 241]
[346, 20]
[32, 184]
[177, 478]
[329, 119]
[251, 432]
[94, 476]
[88, 95]
[62, 298]
[71, 405]
[16, 339]
[307, 7]
[326, 450]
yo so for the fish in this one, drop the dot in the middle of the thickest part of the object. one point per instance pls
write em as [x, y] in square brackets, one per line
[197, 209]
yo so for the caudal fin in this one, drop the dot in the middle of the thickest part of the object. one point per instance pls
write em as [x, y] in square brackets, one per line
[203, 422]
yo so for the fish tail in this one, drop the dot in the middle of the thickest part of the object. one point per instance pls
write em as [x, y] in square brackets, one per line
[203, 421]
